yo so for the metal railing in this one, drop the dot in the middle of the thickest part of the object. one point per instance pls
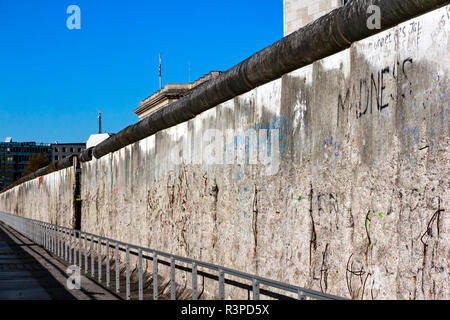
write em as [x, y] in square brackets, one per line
[74, 246]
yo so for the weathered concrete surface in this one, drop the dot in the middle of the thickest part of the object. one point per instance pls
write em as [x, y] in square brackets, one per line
[48, 198]
[354, 209]
[328, 35]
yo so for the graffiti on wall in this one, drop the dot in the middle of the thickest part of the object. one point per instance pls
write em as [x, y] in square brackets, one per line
[370, 94]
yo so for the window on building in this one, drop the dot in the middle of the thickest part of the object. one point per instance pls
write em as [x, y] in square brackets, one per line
[79, 149]
[56, 149]
[56, 158]
[64, 157]
[64, 150]
[71, 149]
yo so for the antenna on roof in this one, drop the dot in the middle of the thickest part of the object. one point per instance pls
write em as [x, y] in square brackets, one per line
[189, 72]
[99, 121]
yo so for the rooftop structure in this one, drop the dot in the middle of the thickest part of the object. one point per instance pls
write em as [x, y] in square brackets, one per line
[298, 13]
[171, 92]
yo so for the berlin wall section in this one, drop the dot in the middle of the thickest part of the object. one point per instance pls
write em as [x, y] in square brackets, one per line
[49, 198]
[348, 196]
[354, 206]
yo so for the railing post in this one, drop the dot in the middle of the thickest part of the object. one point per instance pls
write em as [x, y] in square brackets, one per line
[52, 239]
[80, 244]
[116, 261]
[61, 246]
[127, 273]
[55, 233]
[70, 245]
[43, 235]
[58, 242]
[221, 285]
[255, 289]
[141, 285]
[65, 244]
[99, 256]
[194, 281]
[44, 228]
[155, 276]
[86, 265]
[75, 248]
[172, 279]
[92, 257]
[301, 295]
[47, 236]
[107, 264]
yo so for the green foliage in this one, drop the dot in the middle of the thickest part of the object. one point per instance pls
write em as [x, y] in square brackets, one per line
[35, 162]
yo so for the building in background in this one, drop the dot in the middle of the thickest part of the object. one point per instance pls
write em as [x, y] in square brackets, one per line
[14, 156]
[170, 93]
[95, 139]
[298, 13]
[63, 150]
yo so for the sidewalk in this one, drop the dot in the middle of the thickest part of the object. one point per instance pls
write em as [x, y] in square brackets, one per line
[29, 272]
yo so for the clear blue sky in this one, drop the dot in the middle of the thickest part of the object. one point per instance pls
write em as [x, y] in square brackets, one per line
[53, 80]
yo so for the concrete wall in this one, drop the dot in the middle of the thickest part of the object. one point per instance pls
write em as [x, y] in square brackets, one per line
[298, 13]
[48, 198]
[354, 207]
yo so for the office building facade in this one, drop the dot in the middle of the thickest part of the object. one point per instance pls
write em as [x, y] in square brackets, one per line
[14, 156]
[63, 150]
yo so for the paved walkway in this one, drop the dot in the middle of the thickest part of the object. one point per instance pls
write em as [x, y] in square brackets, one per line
[29, 272]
